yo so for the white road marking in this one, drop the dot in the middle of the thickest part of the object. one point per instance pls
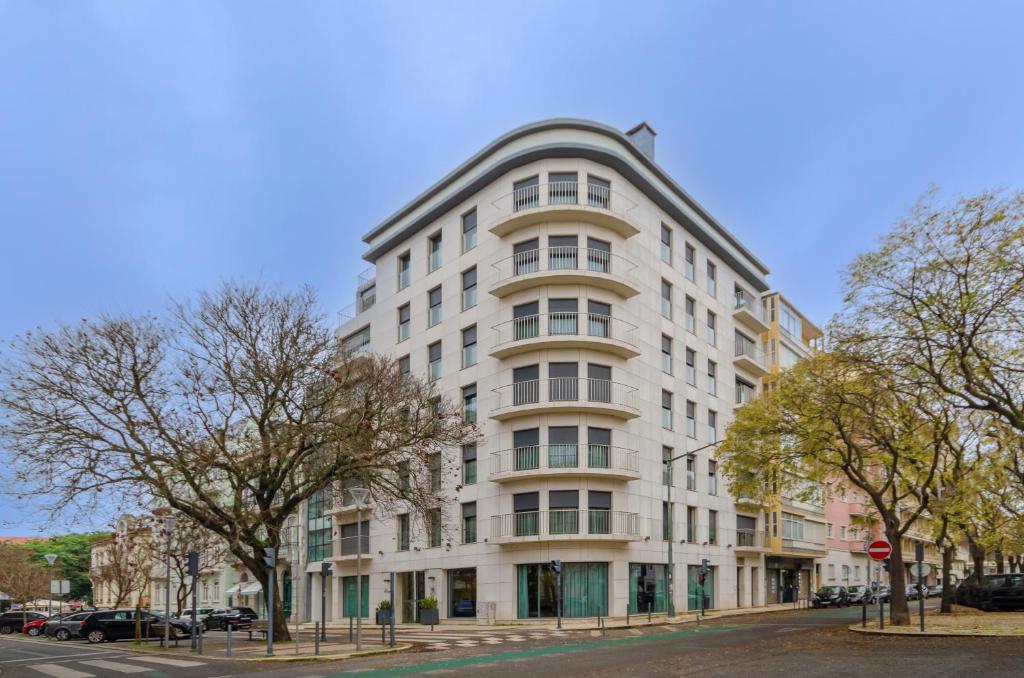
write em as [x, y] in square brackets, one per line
[116, 666]
[169, 662]
[58, 671]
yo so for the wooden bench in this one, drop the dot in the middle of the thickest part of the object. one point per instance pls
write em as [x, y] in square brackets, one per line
[259, 626]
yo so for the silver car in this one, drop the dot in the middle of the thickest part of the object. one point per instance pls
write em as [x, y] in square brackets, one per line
[66, 627]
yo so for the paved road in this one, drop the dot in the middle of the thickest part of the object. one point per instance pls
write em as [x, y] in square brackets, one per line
[791, 644]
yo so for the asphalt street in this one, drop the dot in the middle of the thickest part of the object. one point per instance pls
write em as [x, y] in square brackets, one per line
[791, 644]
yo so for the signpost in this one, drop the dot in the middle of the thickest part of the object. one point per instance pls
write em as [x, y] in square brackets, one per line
[880, 550]
[60, 587]
[920, 571]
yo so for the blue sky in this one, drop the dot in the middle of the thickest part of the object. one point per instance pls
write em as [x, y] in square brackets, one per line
[149, 149]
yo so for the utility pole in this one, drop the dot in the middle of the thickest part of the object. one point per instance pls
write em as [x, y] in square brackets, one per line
[270, 558]
[556, 565]
[193, 572]
[51, 558]
[169, 521]
[359, 494]
[325, 571]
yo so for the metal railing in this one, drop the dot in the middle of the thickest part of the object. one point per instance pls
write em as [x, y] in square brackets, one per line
[745, 348]
[561, 324]
[565, 193]
[564, 259]
[557, 522]
[744, 301]
[565, 390]
[565, 456]
[746, 538]
[350, 546]
[744, 394]
[803, 544]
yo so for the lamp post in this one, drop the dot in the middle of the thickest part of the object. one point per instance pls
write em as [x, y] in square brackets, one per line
[51, 558]
[671, 608]
[359, 494]
[169, 521]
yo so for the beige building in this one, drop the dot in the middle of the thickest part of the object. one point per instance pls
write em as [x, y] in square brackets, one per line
[121, 565]
[594, 319]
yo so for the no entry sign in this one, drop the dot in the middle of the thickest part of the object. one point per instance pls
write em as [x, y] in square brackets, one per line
[879, 549]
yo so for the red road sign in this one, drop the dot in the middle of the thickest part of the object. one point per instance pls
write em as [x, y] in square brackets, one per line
[880, 549]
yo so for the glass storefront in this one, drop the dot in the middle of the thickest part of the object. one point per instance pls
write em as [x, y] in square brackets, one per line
[349, 594]
[584, 587]
[647, 587]
[694, 589]
[462, 592]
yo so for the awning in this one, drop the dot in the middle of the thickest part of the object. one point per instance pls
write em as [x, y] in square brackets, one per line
[233, 589]
[249, 588]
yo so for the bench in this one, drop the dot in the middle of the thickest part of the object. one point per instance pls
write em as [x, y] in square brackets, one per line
[259, 626]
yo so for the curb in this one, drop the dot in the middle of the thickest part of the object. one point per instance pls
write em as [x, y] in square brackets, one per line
[283, 658]
[856, 628]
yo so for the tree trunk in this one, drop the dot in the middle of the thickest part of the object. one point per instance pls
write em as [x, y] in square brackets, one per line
[978, 558]
[947, 586]
[998, 553]
[899, 614]
[280, 623]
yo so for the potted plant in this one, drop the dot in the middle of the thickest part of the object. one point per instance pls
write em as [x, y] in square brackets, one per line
[429, 613]
[383, 612]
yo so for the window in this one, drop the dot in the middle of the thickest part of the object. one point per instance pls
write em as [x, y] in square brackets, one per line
[599, 512]
[563, 446]
[526, 449]
[404, 365]
[469, 464]
[712, 527]
[666, 521]
[404, 476]
[599, 319]
[367, 297]
[712, 377]
[599, 383]
[712, 280]
[691, 419]
[712, 323]
[563, 316]
[469, 346]
[562, 188]
[712, 426]
[842, 532]
[469, 403]
[691, 524]
[691, 367]
[691, 315]
[434, 361]
[666, 299]
[666, 410]
[691, 473]
[563, 511]
[355, 538]
[469, 288]
[846, 573]
[599, 255]
[433, 520]
[666, 354]
[434, 252]
[666, 244]
[599, 445]
[831, 571]
[434, 299]
[712, 477]
[828, 529]
[526, 194]
[666, 465]
[527, 517]
[792, 526]
[469, 230]
[563, 381]
[404, 270]
[563, 252]
[790, 322]
[599, 192]
[469, 522]
[404, 324]
[359, 341]
[526, 257]
[434, 471]
[318, 526]
[744, 392]
[525, 385]
[689, 259]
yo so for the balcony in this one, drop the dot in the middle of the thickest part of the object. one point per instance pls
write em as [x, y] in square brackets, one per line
[566, 266]
[748, 503]
[548, 461]
[564, 201]
[343, 504]
[565, 330]
[564, 525]
[578, 395]
[747, 358]
[749, 541]
[749, 312]
[803, 547]
[347, 548]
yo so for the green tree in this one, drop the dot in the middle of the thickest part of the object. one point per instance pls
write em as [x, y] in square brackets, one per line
[73, 560]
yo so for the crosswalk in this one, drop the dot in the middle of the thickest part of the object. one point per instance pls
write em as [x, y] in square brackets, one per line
[94, 668]
[447, 638]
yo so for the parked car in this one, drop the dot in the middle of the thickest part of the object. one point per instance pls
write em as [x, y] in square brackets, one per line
[913, 592]
[238, 617]
[995, 592]
[201, 613]
[935, 591]
[67, 627]
[13, 621]
[859, 594]
[883, 593]
[110, 625]
[35, 628]
[830, 596]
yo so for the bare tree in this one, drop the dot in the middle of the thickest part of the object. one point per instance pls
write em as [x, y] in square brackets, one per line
[22, 578]
[125, 565]
[190, 536]
[231, 413]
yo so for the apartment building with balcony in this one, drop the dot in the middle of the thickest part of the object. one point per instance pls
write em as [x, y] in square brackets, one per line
[594, 320]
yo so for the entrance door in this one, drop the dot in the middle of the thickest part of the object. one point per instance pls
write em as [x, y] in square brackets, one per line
[739, 587]
[462, 592]
[412, 586]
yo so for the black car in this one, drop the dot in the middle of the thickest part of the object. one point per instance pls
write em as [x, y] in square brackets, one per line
[13, 621]
[830, 596]
[859, 594]
[110, 625]
[996, 592]
[237, 617]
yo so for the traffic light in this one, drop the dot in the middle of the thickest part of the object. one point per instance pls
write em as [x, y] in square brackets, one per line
[325, 569]
[193, 564]
[885, 564]
[556, 566]
[270, 557]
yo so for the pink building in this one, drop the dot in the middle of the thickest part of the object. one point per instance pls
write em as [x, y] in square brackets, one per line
[850, 525]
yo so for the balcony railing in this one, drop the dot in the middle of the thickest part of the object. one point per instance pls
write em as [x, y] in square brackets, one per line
[563, 324]
[749, 539]
[597, 196]
[565, 390]
[349, 546]
[745, 348]
[802, 544]
[566, 456]
[563, 522]
[747, 302]
[565, 259]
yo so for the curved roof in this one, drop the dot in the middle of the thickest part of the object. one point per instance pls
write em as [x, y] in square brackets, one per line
[631, 165]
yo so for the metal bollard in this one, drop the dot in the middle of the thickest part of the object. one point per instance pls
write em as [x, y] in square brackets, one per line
[648, 612]
[199, 641]
[316, 639]
[227, 652]
[350, 629]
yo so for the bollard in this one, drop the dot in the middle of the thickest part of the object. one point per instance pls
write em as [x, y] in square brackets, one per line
[648, 612]
[697, 615]
[350, 630]
[227, 652]
[383, 640]
[627, 615]
[881, 614]
[864, 611]
[199, 641]
[316, 639]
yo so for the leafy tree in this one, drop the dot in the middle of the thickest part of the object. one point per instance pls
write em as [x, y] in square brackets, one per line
[74, 552]
[231, 413]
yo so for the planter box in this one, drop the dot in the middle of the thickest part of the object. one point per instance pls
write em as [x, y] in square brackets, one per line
[383, 617]
[431, 616]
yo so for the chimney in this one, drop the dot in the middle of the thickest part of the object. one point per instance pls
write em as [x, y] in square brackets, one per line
[642, 137]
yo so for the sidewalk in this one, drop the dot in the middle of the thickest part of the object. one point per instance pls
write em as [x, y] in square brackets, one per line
[215, 645]
[962, 622]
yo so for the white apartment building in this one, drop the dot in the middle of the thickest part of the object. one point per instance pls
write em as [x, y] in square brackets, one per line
[595, 319]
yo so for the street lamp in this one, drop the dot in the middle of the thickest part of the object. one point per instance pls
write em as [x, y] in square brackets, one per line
[671, 610]
[169, 521]
[359, 494]
[51, 558]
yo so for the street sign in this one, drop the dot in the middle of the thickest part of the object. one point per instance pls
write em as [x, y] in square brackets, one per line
[880, 549]
[920, 569]
[60, 586]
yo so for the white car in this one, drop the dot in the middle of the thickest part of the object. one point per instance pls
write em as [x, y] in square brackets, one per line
[201, 614]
